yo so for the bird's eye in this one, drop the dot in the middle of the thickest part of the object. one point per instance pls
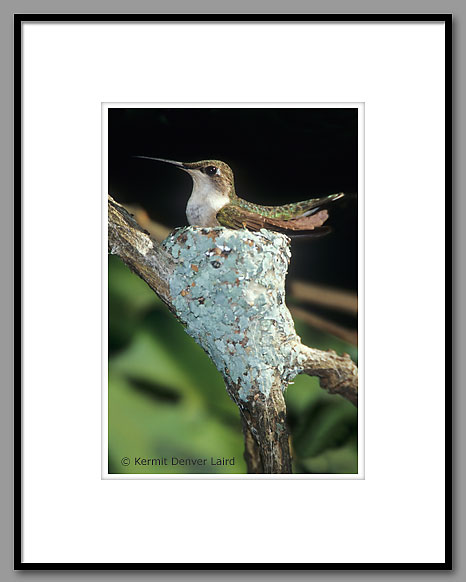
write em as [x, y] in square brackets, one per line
[211, 170]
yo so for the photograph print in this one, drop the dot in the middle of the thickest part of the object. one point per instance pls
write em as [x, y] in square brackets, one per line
[232, 291]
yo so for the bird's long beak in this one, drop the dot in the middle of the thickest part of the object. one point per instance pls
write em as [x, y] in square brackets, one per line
[173, 162]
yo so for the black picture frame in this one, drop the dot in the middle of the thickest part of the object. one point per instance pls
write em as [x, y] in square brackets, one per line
[385, 18]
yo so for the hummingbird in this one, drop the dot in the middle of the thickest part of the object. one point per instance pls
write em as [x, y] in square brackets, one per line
[214, 202]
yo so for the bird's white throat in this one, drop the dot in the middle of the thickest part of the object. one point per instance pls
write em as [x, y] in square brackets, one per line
[205, 201]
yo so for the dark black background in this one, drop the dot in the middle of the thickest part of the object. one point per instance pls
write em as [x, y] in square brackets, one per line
[278, 155]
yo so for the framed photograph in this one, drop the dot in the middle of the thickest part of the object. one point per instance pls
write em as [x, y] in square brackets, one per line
[168, 413]
[228, 295]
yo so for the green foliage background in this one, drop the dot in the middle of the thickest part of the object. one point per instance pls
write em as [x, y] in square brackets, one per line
[166, 398]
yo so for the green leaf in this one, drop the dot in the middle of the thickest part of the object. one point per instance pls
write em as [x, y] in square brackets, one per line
[142, 428]
[342, 460]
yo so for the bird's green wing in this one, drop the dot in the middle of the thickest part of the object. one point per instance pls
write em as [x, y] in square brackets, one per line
[234, 216]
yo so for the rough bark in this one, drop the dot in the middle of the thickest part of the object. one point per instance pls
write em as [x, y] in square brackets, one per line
[227, 288]
[252, 454]
[143, 255]
[337, 374]
[267, 447]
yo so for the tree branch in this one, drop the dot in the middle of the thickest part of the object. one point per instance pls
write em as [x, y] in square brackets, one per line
[143, 255]
[337, 374]
[321, 323]
[329, 297]
[227, 287]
